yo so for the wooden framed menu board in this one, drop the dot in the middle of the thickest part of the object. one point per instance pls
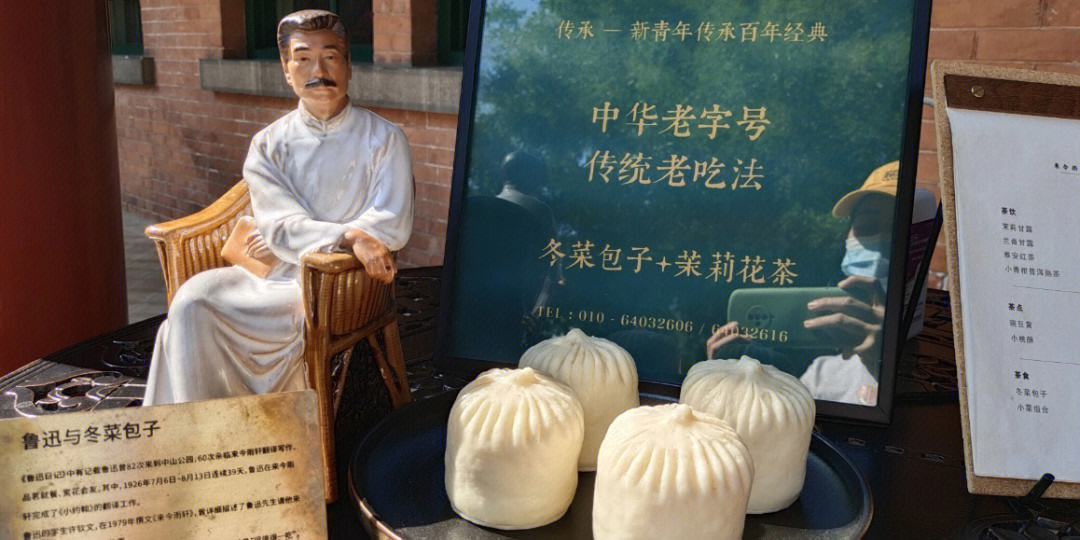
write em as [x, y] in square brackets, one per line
[1009, 155]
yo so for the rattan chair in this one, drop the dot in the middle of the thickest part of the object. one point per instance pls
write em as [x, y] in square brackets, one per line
[342, 306]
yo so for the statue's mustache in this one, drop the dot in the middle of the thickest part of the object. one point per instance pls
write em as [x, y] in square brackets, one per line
[320, 81]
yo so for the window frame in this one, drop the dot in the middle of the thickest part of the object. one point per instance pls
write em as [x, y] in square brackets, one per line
[452, 15]
[119, 42]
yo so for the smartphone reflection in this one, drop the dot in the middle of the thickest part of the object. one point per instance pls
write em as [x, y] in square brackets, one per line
[829, 337]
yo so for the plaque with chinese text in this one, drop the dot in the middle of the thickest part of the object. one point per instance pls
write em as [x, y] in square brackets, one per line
[1009, 150]
[237, 468]
[689, 180]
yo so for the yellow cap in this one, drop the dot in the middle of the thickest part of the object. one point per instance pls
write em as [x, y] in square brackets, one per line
[883, 180]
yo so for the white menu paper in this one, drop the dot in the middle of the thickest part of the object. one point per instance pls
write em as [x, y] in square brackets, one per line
[1017, 183]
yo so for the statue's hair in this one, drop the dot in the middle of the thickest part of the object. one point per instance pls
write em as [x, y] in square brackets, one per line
[309, 20]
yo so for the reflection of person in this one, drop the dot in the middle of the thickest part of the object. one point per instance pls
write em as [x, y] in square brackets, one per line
[854, 322]
[326, 176]
[524, 179]
[524, 176]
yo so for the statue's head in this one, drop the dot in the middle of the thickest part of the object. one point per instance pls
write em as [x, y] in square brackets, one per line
[314, 47]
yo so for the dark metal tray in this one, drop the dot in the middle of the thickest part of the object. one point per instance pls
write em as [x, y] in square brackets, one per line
[396, 481]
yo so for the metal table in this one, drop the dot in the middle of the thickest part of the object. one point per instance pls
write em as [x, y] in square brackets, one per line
[914, 465]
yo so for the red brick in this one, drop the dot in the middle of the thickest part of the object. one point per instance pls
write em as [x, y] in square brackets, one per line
[432, 209]
[380, 42]
[176, 66]
[927, 171]
[444, 175]
[392, 58]
[393, 115]
[1060, 13]
[443, 156]
[928, 136]
[1045, 44]
[418, 257]
[392, 23]
[177, 80]
[415, 118]
[425, 172]
[422, 224]
[430, 137]
[408, 258]
[424, 242]
[420, 154]
[433, 192]
[199, 26]
[439, 228]
[951, 44]
[410, 132]
[445, 138]
[442, 121]
[985, 13]
[400, 43]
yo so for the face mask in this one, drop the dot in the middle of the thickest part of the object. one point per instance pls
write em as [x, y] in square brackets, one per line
[867, 257]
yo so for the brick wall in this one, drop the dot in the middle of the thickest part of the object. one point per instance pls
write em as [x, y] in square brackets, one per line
[1028, 34]
[181, 147]
[403, 32]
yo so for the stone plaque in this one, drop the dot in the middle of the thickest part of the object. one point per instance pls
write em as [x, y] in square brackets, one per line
[237, 468]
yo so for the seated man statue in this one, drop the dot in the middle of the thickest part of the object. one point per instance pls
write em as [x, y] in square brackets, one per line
[325, 176]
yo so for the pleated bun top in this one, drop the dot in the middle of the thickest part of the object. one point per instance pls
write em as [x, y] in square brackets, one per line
[513, 440]
[773, 414]
[671, 472]
[602, 375]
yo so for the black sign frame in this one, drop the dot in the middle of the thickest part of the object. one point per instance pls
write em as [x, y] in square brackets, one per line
[893, 335]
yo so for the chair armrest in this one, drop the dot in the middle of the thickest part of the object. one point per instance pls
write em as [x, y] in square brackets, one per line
[191, 244]
[220, 211]
[339, 295]
[330, 263]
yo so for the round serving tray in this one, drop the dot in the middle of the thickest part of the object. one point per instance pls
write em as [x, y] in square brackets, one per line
[396, 481]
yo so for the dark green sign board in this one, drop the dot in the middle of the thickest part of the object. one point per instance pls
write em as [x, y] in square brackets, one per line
[650, 172]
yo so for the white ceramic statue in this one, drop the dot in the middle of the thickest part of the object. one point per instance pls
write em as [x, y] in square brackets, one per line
[326, 176]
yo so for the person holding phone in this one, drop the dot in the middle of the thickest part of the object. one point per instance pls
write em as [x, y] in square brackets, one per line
[853, 322]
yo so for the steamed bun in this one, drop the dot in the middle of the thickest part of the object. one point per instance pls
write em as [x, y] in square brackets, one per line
[773, 414]
[670, 472]
[601, 374]
[512, 447]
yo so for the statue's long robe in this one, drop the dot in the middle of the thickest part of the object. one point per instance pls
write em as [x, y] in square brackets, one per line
[230, 333]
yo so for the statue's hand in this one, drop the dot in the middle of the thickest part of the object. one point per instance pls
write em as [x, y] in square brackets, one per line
[255, 246]
[371, 253]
